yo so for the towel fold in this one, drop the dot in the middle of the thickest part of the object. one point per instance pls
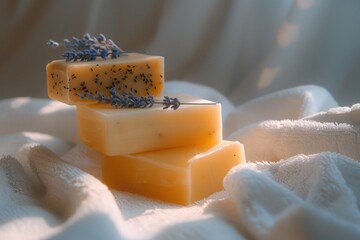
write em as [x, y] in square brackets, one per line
[301, 180]
[293, 103]
[303, 197]
[276, 140]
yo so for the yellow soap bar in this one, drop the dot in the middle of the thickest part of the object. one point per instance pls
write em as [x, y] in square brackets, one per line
[124, 131]
[180, 175]
[143, 74]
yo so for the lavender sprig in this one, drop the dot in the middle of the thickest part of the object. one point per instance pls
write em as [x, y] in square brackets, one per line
[130, 100]
[173, 103]
[88, 48]
[126, 100]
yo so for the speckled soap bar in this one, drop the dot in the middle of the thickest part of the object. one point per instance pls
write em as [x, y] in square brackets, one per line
[142, 74]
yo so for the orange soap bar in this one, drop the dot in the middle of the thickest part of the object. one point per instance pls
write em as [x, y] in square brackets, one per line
[179, 175]
[116, 132]
[143, 74]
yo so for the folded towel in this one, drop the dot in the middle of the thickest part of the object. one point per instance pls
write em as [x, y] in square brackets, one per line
[50, 185]
[292, 103]
[315, 128]
[53, 199]
[303, 197]
[349, 115]
[276, 140]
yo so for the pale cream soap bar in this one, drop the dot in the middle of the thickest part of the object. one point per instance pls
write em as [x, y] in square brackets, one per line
[179, 175]
[123, 131]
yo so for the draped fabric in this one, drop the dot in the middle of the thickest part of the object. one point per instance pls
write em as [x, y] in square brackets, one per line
[242, 48]
[301, 179]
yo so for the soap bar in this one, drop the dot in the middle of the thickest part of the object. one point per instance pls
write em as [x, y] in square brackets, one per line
[143, 74]
[124, 131]
[180, 175]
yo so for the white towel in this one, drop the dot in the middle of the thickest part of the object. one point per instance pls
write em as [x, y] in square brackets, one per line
[293, 103]
[303, 197]
[336, 130]
[308, 188]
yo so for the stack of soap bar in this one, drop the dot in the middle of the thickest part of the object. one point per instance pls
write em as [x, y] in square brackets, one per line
[172, 155]
[124, 131]
[178, 175]
[143, 74]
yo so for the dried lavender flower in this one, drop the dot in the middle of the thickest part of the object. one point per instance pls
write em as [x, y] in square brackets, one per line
[130, 100]
[170, 102]
[125, 100]
[88, 48]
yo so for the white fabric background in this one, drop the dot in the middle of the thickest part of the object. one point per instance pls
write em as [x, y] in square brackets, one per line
[243, 48]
